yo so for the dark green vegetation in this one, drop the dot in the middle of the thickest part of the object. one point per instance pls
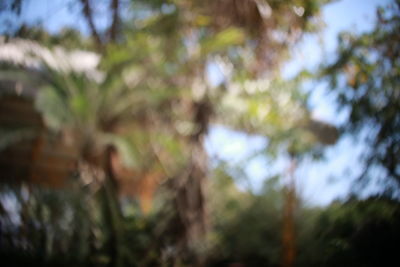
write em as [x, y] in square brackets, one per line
[102, 157]
[346, 233]
[67, 229]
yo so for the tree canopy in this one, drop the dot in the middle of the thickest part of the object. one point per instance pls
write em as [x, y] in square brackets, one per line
[130, 102]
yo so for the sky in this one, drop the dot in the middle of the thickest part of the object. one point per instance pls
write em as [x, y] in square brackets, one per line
[319, 182]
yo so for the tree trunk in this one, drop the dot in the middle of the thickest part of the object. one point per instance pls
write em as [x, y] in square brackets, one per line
[189, 188]
[288, 238]
[190, 200]
[99, 168]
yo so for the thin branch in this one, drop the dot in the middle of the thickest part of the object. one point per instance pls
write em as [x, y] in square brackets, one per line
[115, 20]
[87, 13]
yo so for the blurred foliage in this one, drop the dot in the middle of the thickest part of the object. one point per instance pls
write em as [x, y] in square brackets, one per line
[146, 95]
[247, 227]
[10, 136]
[357, 233]
[48, 227]
[52, 228]
[43, 226]
[365, 77]
[353, 232]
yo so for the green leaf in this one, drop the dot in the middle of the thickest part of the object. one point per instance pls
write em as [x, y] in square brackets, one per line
[222, 40]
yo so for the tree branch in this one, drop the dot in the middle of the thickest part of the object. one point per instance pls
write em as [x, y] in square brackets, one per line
[87, 13]
[114, 5]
